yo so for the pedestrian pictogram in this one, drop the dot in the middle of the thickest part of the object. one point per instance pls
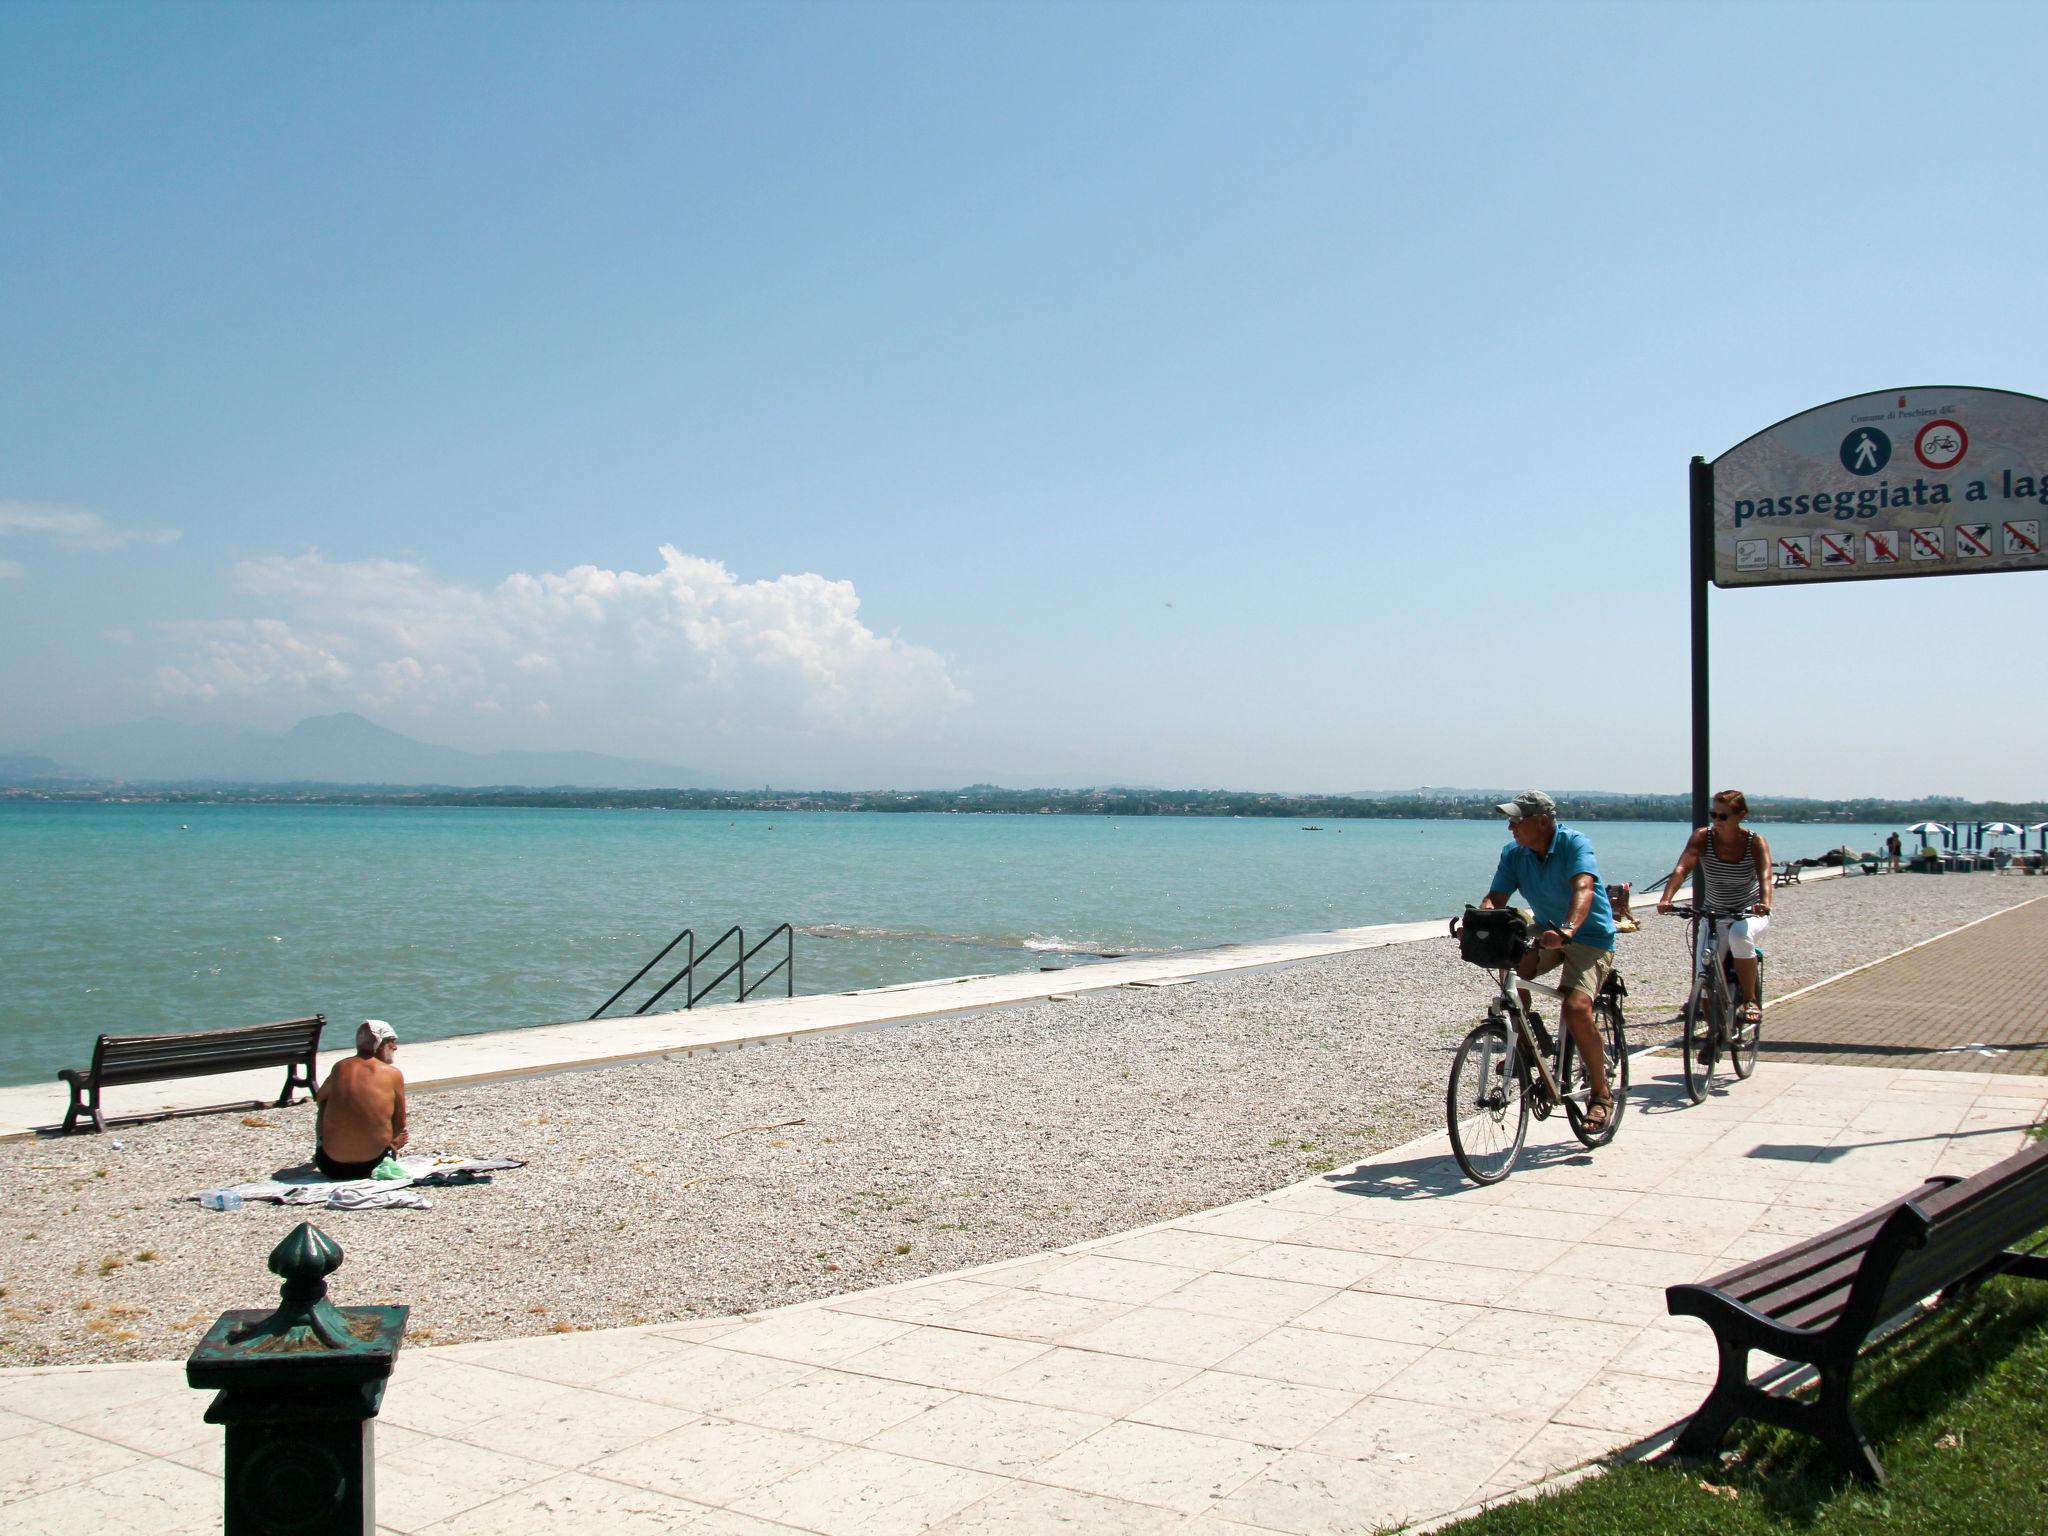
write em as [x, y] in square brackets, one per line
[1926, 543]
[1752, 554]
[1865, 451]
[1837, 549]
[1973, 540]
[1796, 553]
[2023, 538]
[1881, 548]
[1941, 444]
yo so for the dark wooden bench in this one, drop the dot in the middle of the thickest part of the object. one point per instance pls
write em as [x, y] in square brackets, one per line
[1785, 874]
[293, 1044]
[1817, 1301]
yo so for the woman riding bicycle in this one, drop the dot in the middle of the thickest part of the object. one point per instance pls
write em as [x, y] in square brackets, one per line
[1735, 876]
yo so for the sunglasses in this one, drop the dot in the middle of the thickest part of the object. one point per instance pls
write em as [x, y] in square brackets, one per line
[1721, 815]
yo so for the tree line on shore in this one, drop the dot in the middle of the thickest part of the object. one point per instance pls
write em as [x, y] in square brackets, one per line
[988, 799]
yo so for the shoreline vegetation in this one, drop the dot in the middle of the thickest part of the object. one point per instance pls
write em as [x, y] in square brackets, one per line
[989, 799]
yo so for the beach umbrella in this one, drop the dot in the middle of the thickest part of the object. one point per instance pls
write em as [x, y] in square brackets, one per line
[2040, 831]
[2001, 829]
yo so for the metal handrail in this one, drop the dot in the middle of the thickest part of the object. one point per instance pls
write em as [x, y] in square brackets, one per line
[739, 965]
[693, 994]
[687, 933]
[786, 963]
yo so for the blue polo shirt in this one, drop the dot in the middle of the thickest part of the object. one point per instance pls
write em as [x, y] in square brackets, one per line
[1546, 883]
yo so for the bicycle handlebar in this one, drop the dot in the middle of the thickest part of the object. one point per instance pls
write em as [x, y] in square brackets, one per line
[1678, 909]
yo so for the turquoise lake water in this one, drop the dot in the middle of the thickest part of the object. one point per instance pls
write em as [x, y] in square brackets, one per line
[135, 918]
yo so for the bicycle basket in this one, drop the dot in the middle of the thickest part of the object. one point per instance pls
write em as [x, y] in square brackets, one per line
[1492, 937]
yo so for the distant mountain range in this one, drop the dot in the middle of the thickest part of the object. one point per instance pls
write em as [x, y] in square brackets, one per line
[325, 749]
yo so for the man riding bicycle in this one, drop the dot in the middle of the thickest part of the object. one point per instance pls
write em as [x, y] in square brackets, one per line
[1555, 869]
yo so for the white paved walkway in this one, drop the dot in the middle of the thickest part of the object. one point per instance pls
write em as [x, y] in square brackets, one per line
[1381, 1345]
[557, 1047]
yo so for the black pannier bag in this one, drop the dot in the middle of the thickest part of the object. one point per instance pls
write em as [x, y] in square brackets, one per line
[1492, 936]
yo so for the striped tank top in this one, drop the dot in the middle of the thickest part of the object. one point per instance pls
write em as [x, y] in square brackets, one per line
[1731, 884]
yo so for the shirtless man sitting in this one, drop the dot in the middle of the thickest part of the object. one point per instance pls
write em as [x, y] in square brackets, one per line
[361, 1114]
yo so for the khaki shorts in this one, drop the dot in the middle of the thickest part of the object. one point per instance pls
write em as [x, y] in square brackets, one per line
[1585, 968]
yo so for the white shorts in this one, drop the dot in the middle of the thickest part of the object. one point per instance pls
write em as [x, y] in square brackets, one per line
[1742, 937]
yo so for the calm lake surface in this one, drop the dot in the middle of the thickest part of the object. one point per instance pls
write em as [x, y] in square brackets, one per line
[119, 918]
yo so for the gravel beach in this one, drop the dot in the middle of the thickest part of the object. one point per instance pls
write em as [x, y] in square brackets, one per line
[751, 1178]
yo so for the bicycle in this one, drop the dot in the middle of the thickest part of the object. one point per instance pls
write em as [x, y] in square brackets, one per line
[1509, 1068]
[1711, 1024]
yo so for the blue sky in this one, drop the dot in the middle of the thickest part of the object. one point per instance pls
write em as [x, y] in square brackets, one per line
[1241, 395]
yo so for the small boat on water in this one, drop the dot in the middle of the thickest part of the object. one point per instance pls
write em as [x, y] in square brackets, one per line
[1311, 829]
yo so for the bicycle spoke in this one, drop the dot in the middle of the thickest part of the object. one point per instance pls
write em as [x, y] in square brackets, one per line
[1485, 1108]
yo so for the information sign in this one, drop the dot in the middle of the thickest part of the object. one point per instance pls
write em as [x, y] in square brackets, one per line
[1909, 482]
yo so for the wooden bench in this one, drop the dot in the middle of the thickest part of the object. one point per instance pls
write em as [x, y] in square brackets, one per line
[1817, 1301]
[293, 1044]
[1785, 874]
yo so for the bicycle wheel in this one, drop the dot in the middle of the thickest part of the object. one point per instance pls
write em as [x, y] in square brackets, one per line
[1485, 1107]
[1742, 1042]
[1614, 1047]
[1703, 1018]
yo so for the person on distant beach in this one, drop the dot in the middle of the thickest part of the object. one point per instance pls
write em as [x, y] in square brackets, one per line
[1891, 851]
[1735, 874]
[361, 1115]
[1555, 868]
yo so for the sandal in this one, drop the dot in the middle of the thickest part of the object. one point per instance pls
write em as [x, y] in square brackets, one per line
[1599, 1115]
[1750, 1013]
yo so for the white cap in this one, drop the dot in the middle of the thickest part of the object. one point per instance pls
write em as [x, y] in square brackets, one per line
[371, 1035]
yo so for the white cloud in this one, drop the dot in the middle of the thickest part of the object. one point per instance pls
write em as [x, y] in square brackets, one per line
[617, 660]
[73, 527]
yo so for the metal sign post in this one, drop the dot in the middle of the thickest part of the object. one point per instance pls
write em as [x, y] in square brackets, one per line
[1942, 481]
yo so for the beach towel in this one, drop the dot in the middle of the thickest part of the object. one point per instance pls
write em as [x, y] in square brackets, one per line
[306, 1185]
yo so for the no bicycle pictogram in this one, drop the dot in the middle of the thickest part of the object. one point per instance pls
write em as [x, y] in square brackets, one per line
[1752, 554]
[1837, 549]
[1926, 543]
[1796, 553]
[1973, 540]
[1941, 444]
[1881, 548]
[2023, 538]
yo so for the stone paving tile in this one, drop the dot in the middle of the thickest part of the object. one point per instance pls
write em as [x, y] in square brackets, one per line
[1025, 1507]
[1200, 1251]
[1089, 1380]
[837, 1405]
[713, 1461]
[1333, 1267]
[1249, 1298]
[576, 1501]
[990, 1434]
[50, 1457]
[1048, 1317]
[1175, 1338]
[1249, 1408]
[431, 1479]
[932, 1302]
[1148, 1464]
[1343, 1362]
[871, 1493]
[570, 1359]
[575, 1427]
[815, 1335]
[449, 1397]
[1497, 1385]
[171, 1501]
[707, 1379]
[945, 1357]
[54, 1396]
[1098, 1277]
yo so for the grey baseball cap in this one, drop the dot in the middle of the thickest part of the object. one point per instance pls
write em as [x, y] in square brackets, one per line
[1530, 802]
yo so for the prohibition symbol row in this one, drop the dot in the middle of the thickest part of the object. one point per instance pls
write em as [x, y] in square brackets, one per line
[1836, 551]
